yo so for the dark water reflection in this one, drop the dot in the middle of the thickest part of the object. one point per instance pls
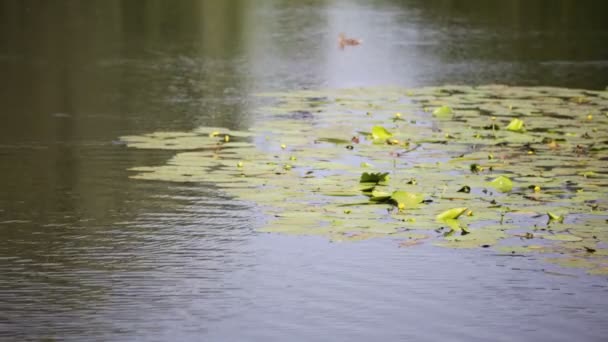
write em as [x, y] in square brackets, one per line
[87, 254]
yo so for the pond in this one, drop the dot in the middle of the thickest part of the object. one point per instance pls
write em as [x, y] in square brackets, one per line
[116, 225]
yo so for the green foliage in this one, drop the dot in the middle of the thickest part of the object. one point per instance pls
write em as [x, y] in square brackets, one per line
[406, 200]
[555, 217]
[502, 184]
[374, 177]
[304, 181]
[516, 125]
[443, 112]
[451, 214]
[380, 133]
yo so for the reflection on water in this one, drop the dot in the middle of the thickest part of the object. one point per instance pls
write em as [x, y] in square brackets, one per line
[86, 252]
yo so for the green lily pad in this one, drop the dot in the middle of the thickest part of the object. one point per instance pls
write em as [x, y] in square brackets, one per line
[406, 200]
[455, 226]
[502, 184]
[555, 217]
[375, 177]
[451, 214]
[380, 196]
[562, 237]
[443, 112]
[516, 125]
[304, 176]
[476, 238]
[334, 140]
[380, 133]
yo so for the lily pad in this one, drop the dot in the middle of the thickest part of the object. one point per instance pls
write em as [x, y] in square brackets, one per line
[300, 164]
[502, 184]
[555, 217]
[406, 200]
[443, 112]
[451, 214]
[516, 125]
[562, 237]
[380, 133]
[376, 177]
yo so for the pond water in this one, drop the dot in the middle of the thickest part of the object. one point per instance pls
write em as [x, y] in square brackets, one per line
[87, 253]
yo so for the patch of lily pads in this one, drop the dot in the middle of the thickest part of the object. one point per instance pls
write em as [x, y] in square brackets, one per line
[522, 170]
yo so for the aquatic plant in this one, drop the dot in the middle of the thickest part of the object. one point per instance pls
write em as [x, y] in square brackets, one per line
[456, 168]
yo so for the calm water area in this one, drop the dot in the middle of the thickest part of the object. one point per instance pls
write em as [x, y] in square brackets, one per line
[88, 254]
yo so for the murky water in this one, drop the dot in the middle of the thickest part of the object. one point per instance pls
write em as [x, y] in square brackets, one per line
[88, 254]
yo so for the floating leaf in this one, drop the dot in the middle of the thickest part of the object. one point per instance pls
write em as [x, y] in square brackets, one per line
[562, 237]
[451, 214]
[502, 184]
[380, 133]
[334, 140]
[516, 125]
[455, 226]
[443, 112]
[475, 168]
[483, 237]
[380, 196]
[321, 195]
[406, 200]
[588, 174]
[555, 217]
[466, 189]
[375, 177]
